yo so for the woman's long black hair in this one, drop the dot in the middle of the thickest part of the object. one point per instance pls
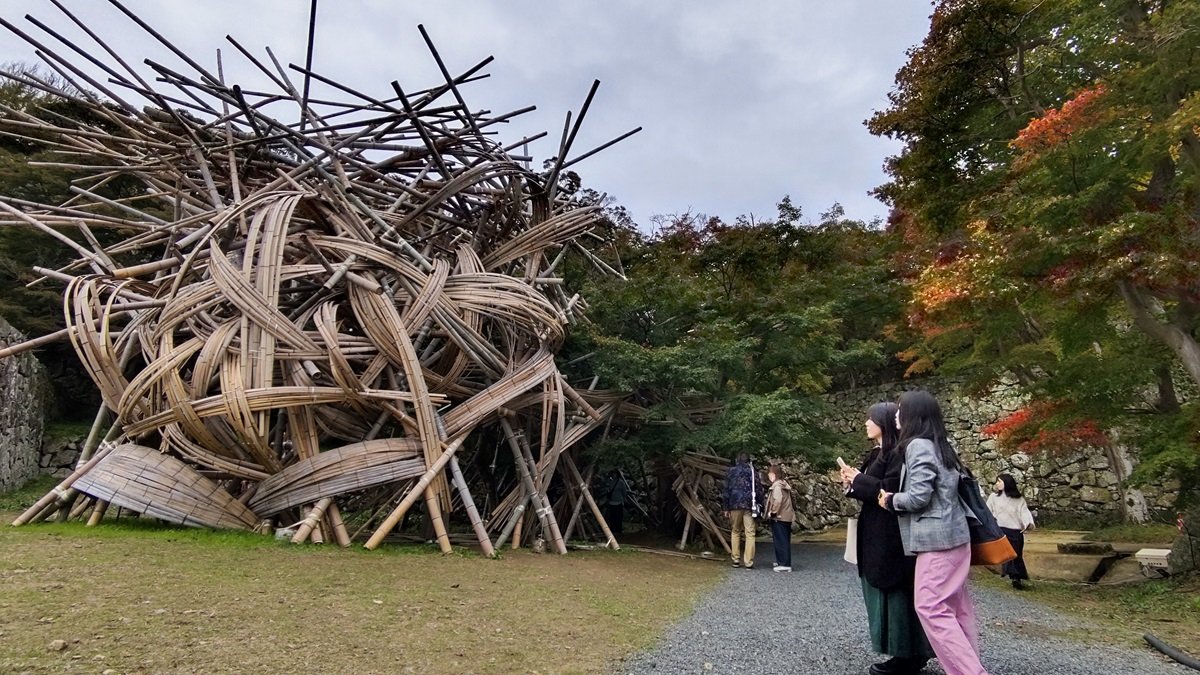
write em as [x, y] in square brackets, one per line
[1010, 485]
[884, 417]
[921, 417]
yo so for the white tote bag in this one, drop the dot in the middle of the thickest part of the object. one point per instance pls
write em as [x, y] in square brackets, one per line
[851, 554]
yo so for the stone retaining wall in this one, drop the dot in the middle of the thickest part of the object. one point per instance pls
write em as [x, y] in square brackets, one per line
[24, 392]
[1084, 486]
[59, 456]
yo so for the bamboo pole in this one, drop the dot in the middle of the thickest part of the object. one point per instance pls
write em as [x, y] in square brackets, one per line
[511, 525]
[687, 525]
[79, 508]
[518, 530]
[308, 525]
[34, 343]
[541, 508]
[416, 492]
[97, 513]
[577, 508]
[573, 471]
[340, 535]
[460, 482]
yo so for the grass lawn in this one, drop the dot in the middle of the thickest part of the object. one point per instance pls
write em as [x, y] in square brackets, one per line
[1168, 608]
[140, 599]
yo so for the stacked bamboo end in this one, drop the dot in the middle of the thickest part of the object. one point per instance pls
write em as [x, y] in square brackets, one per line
[282, 312]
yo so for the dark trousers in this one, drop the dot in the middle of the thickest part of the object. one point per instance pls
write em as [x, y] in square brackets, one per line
[781, 536]
[1015, 568]
[614, 515]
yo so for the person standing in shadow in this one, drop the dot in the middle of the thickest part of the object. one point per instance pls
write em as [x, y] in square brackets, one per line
[885, 572]
[616, 489]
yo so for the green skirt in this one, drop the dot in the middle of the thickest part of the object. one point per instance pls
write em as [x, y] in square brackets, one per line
[895, 628]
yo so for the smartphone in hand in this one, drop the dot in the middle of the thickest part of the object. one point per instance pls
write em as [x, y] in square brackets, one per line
[841, 462]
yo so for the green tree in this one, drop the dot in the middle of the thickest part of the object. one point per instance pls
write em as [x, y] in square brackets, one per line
[1047, 198]
[727, 333]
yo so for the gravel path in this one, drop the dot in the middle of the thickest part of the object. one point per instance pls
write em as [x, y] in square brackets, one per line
[812, 621]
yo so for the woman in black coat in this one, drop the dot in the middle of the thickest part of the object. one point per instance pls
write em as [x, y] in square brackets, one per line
[885, 572]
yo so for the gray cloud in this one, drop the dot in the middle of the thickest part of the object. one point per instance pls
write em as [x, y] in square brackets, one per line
[741, 102]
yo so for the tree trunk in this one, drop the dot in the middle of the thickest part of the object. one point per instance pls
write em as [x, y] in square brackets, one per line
[1168, 401]
[1179, 339]
[1134, 508]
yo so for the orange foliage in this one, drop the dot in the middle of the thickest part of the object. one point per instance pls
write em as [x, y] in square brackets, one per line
[937, 295]
[1057, 124]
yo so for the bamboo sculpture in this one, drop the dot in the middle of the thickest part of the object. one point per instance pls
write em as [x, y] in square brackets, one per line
[295, 311]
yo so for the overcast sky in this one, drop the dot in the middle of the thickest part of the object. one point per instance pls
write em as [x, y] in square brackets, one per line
[741, 103]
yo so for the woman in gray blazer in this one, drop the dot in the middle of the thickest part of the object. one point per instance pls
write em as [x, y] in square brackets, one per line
[933, 527]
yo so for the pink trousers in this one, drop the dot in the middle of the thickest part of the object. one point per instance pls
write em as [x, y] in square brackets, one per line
[945, 609]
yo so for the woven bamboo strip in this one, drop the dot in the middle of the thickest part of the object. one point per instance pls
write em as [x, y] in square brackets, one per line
[143, 480]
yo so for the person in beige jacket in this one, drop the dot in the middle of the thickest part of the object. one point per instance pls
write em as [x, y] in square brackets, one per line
[1014, 518]
[780, 513]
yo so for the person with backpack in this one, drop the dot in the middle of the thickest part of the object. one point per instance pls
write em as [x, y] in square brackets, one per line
[741, 501]
[780, 514]
[933, 527]
[885, 572]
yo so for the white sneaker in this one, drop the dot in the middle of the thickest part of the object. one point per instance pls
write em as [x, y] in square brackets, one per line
[782, 568]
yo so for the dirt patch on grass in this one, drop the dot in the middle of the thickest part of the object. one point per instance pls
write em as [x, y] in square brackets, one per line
[138, 600]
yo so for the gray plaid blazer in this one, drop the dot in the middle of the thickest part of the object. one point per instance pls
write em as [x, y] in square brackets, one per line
[932, 517]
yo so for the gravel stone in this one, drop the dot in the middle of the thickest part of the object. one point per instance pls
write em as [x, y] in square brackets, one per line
[812, 621]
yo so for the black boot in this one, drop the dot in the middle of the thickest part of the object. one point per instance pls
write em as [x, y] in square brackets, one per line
[899, 666]
[893, 666]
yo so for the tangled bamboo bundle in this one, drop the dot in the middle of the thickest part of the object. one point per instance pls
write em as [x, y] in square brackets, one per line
[283, 296]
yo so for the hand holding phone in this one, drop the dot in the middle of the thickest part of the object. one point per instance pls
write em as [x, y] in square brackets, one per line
[847, 472]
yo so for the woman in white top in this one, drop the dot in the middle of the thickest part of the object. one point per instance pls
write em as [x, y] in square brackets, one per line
[1013, 516]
